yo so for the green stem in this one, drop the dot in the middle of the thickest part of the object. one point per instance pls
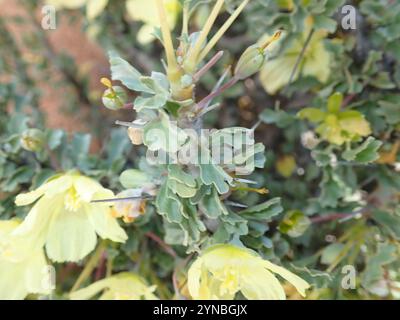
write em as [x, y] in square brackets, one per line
[193, 53]
[222, 30]
[89, 267]
[167, 40]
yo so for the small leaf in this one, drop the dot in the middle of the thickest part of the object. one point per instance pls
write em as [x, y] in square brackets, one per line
[331, 252]
[335, 102]
[294, 224]
[312, 114]
[121, 70]
[214, 174]
[365, 153]
[133, 178]
[280, 118]
[263, 211]
[385, 254]
[391, 222]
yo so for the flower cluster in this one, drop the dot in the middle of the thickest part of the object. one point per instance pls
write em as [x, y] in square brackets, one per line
[64, 221]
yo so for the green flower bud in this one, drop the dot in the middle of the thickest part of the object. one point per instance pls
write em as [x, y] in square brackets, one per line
[253, 58]
[249, 62]
[114, 98]
[32, 140]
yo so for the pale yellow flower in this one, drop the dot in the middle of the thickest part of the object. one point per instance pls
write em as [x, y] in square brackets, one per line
[65, 220]
[335, 125]
[146, 12]
[276, 72]
[122, 286]
[224, 270]
[22, 271]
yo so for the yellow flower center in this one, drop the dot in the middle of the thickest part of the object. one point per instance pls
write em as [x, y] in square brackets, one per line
[230, 282]
[72, 201]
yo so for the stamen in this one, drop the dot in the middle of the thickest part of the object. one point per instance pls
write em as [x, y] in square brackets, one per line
[272, 39]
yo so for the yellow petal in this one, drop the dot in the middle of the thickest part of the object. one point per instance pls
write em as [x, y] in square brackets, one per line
[24, 275]
[295, 280]
[262, 285]
[275, 73]
[68, 4]
[122, 286]
[11, 286]
[194, 278]
[358, 126]
[71, 236]
[87, 188]
[105, 225]
[90, 291]
[317, 62]
[51, 188]
[95, 8]
[36, 225]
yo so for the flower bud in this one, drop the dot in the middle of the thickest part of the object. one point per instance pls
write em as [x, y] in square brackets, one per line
[249, 62]
[32, 140]
[114, 98]
[135, 135]
[131, 209]
[253, 58]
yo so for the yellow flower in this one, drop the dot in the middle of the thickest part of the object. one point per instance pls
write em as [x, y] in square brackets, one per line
[276, 72]
[122, 286]
[335, 125]
[223, 270]
[146, 12]
[93, 7]
[286, 165]
[65, 220]
[22, 271]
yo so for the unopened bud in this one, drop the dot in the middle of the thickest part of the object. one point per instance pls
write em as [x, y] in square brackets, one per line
[32, 140]
[249, 62]
[253, 58]
[114, 98]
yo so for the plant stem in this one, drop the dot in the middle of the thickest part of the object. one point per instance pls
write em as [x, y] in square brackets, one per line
[193, 53]
[216, 93]
[185, 18]
[299, 58]
[207, 66]
[222, 30]
[89, 267]
[167, 40]
[162, 244]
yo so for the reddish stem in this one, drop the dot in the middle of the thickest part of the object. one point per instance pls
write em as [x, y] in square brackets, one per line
[162, 244]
